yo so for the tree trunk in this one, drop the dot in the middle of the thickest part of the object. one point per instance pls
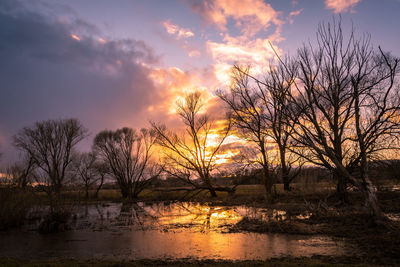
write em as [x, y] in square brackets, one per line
[211, 188]
[286, 184]
[212, 192]
[366, 188]
[96, 195]
[371, 201]
[267, 176]
[284, 169]
[285, 178]
[341, 187]
[268, 185]
[369, 191]
[207, 182]
[124, 192]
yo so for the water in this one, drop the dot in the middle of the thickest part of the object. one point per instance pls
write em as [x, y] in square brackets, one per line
[164, 231]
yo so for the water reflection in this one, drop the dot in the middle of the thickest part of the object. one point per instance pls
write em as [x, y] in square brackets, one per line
[171, 216]
[152, 244]
[165, 231]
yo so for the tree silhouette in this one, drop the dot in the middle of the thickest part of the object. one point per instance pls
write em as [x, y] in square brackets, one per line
[347, 94]
[192, 155]
[127, 153]
[50, 145]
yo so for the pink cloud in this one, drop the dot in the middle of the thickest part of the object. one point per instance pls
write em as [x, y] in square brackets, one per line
[177, 31]
[250, 17]
[293, 14]
[339, 6]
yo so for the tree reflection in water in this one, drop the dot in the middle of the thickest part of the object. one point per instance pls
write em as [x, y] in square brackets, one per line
[174, 216]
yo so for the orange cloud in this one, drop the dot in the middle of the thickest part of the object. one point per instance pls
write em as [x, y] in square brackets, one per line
[339, 6]
[174, 83]
[174, 29]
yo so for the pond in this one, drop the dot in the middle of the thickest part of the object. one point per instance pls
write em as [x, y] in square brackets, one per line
[179, 230]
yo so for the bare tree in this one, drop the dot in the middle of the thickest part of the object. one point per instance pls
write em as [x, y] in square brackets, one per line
[85, 167]
[348, 98]
[192, 155]
[375, 89]
[50, 145]
[21, 173]
[258, 108]
[127, 153]
[247, 111]
[274, 89]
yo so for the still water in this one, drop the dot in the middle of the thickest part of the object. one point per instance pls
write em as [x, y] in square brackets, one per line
[164, 231]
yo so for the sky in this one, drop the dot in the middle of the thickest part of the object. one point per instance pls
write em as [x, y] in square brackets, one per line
[124, 62]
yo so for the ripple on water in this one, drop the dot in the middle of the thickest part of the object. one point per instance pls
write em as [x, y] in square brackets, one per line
[165, 231]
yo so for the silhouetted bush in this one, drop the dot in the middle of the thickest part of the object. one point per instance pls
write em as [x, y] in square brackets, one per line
[14, 207]
[56, 221]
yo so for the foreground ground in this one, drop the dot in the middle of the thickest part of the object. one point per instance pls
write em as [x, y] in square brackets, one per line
[280, 262]
[378, 241]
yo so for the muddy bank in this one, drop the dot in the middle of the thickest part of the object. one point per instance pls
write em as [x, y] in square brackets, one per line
[376, 242]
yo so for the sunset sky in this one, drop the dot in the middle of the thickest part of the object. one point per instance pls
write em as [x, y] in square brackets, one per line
[124, 62]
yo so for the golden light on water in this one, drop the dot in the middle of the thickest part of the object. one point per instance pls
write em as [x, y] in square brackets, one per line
[201, 216]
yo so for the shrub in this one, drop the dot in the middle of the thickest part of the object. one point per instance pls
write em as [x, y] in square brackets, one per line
[14, 208]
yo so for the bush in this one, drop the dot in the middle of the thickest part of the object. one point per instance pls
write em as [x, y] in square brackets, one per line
[56, 221]
[14, 207]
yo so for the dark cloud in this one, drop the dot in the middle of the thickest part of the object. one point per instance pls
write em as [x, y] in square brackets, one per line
[45, 73]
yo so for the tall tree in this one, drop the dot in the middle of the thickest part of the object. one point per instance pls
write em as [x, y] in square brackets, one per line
[193, 154]
[348, 98]
[127, 153]
[258, 109]
[50, 145]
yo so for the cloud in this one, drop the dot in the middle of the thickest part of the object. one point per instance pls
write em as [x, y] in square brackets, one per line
[253, 18]
[250, 16]
[53, 68]
[194, 53]
[339, 6]
[257, 52]
[180, 37]
[293, 14]
[174, 84]
[175, 30]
